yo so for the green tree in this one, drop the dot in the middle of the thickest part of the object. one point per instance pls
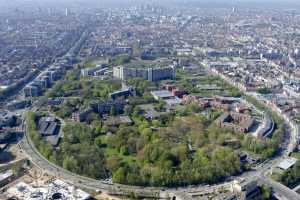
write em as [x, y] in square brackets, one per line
[113, 163]
[266, 192]
[98, 141]
[70, 163]
[120, 176]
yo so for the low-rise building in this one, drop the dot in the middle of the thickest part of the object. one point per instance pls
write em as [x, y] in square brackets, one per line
[125, 93]
[287, 163]
[32, 91]
[118, 120]
[245, 190]
[235, 121]
[217, 102]
[93, 71]
[106, 106]
[18, 104]
[49, 129]
[149, 112]
[82, 115]
[266, 127]
[7, 119]
[178, 93]
[202, 102]
[162, 94]
[54, 101]
[44, 80]
[6, 135]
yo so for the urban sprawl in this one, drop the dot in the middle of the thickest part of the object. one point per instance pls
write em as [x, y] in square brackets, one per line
[149, 102]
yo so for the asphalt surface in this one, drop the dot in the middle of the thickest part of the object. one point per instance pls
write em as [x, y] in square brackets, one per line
[99, 185]
[47, 167]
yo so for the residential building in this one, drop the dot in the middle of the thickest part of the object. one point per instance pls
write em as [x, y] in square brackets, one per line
[99, 69]
[81, 116]
[6, 135]
[245, 190]
[49, 129]
[125, 93]
[162, 94]
[235, 121]
[150, 74]
[7, 119]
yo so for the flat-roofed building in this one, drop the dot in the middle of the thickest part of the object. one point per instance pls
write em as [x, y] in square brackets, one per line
[162, 94]
[118, 120]
[32, 91]
[287, 163]
[49, 129]
[150, 74]
[125, 93]
[104, 107]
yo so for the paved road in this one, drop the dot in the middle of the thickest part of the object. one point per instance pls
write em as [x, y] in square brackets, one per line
[80, 181]
[279, 189]
[47, 167]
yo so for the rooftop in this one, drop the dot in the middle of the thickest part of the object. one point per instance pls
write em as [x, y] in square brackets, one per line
[142, 64]
[162, 94]
[287, 163]
[118, 120]
[174, 101]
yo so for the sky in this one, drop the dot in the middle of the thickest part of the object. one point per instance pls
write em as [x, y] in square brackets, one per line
[112, 3]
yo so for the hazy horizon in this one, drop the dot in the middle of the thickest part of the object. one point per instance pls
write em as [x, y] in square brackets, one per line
[120, 3]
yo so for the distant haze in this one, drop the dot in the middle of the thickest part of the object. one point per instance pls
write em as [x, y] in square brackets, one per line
[121, 3]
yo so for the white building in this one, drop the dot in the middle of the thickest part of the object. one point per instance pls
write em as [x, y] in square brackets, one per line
[287, 163]
[150, 74]
[54, 190]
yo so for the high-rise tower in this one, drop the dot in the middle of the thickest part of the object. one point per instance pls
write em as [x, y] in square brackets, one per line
[67, 12]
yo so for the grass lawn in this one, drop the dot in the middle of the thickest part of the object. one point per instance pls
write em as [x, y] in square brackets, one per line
[92, 62]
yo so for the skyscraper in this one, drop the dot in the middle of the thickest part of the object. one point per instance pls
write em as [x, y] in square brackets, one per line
[67, 12]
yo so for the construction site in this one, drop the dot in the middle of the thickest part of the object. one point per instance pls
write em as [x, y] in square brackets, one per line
[37, 186]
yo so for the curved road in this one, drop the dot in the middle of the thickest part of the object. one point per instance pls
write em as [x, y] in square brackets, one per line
[116, 189]
[47, 167]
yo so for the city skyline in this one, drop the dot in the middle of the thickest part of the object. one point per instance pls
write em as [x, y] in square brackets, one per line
[120, 3]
